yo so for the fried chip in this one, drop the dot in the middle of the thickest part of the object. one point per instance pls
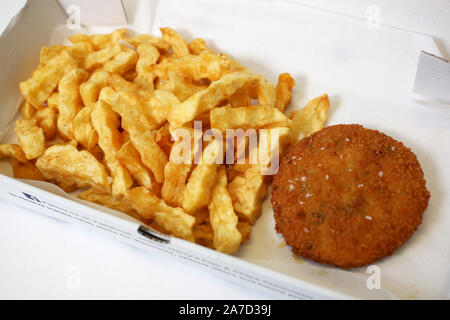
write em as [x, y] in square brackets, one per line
[106, 122]
[46, 119]
[173, 220]
[71, 169]
[83, 129]
[99, 41]
[107, 200]
[311, 118]
[209, 98]
[131, 159]
[284, 91]
[69, 101]
[98, 58]
[140, 132]
[204, 66]
[90, 89]
[178, 44]
[30, 137]
[27, 110]
[183, 88]
[247, 117]
[45, 79]
[26, 170]
[247, 192]
[198, 46]
[123, 62]
[12, 151]
[223, 220]
[199, 186]
[162, 45]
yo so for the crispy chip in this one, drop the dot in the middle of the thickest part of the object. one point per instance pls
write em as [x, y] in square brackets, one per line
[53, 101]
[199, 186]
[208, 98]
[247, 117]
[222, 217]
[247, 192]
[26, 170]
[107, 200]
[183, 88]
[45, 79]
[98, 58]
[179, 46]
[83, 129]
[27, 110]
[69, 101]
[162, 45]
[90, 89]
[12, 151]
[31, 138]
[198, 46]
[140, 132]
[106, 122]
[175, 177]
[204, 66]
[100, 41]
[203, 235]
[131, 159]
[284, 91]
[174, 220]
[71, 169]
[123, 62]
[311, 118]
[46, 119]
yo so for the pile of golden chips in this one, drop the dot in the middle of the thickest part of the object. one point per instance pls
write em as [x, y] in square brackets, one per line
[99, 115]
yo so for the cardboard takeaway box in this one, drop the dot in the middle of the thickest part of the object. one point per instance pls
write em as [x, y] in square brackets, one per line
[368, 72]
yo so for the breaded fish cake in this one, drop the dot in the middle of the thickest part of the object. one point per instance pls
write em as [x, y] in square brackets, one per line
[348, 196]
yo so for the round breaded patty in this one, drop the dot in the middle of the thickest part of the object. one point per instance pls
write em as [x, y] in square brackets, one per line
[348, 196]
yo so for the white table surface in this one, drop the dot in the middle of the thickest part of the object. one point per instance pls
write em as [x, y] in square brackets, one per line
[41, 257]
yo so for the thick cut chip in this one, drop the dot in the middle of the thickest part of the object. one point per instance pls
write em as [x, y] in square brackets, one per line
[179, 46]
[53, 101]
[247, 117]
[247, 192]
[123, 62]
[311, 118]
[140, 132]
[26, 170]
[223, 220]
[107, 200]
[90, 89]
[30, 137]
[12, 151]
[204, 66]
[99, 41]
[203, 235]
[45, 79]
[46, 119]
[269, 152]
[284, 91]
[131, 159]
[69, 101]
[78, 51]
[106, 122]
[162, 45]
[98, 58]
[209, 98]
[240, 98]
[27, 110]
[244, 229]
[198, 46]
[71, 169]
[83, 130]
[198, 188]
[174, 220]
[184, 88]
[148, 56]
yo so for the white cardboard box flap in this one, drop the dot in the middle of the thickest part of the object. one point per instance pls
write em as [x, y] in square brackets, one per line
[368, 74]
